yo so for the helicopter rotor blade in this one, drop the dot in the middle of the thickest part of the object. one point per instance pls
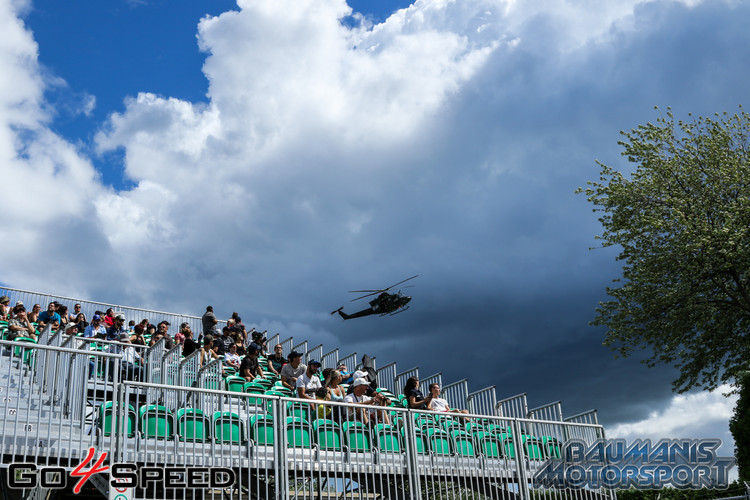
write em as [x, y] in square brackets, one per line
[368, 295]
[367, 291]
[403, 281]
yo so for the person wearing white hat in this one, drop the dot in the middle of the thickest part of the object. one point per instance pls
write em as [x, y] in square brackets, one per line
[358, 396]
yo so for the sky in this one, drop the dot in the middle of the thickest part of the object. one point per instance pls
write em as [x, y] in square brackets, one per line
[267, 156]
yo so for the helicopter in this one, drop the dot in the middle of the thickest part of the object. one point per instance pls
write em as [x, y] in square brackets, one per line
[384, 304]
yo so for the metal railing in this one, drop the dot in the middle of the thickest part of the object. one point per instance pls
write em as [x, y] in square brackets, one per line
[457, 394]
[314, 354]
[400, 378]
[387, 377]
[482, 401]
[88, 307]
[330, 359]
[514, 406]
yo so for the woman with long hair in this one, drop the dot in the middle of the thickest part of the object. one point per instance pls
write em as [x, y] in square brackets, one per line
[414, 396]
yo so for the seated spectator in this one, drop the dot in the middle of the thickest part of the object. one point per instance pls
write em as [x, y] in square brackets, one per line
[359, 396]
[322, 394]
[137, 338]
[345, 374]
[179, 337]
[115, 331]
[162, 332]
[49, 316]
[62, 311]
[96, 328]
[81, 323]
[190, 345]
[131, 366]
[209, 352]
[309, 382]
[73, 315]
[335, 392]
[231, 358]
[13, 310]
[414, 396]
[4, 307]
[259, 340]
[276, 361]
[440, 404]
[34, 314]
[109, 317]
[20, 326]
[249, 368]
[241, 351]
[131, 325]
[292, 370]
[224, 341]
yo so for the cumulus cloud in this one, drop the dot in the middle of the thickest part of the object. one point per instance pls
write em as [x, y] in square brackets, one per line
[333, 155]
[696, 415]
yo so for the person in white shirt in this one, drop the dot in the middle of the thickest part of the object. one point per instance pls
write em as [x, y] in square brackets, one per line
[440, 404]
[358, 396]
[231, 358]
[309, 382]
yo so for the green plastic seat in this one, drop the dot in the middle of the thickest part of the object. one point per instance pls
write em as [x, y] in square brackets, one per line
[551, 447]
[106, 415]
[302, 410]
[262, 430]
[387, 438]
[156, 422]
[234, 383]
[229, 371]
[532, 445]
[449, 425]
[193, 425]
[28, 351]
[228, 428]
[327, 434]
[356, 436]
[463, 443]
[419, 438]
[489, 444]
[509, 448]
[298, 433]
[439, 441]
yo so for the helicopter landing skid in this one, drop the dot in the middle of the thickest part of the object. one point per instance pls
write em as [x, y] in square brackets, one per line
[397, 312]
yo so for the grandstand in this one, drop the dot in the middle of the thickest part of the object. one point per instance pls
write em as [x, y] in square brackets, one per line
[63, 400]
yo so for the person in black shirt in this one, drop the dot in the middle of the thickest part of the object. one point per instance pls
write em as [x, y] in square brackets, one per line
[278, 360]
[414, 396]
[190, 345]
[249, 368]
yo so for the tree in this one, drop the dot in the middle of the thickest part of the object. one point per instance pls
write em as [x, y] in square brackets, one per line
[682, 221]
[739, 426]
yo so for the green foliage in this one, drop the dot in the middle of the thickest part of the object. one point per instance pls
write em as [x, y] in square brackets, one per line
[734, 489]
[682, 221]
[739, 426]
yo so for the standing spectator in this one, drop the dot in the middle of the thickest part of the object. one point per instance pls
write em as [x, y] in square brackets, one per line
[209, 322]
[292, 370]
[309, 382]
[20, 326]
[96, 328]
[241, 327]
[276, 361]
[4, 307]
[34, 314]
[250, 369]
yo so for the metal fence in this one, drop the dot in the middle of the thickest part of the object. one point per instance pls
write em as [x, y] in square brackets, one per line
[330, 359]
[482, 401]
[457, 394]
[387, 377]
[400, 379]
[88, 307]
[514, 406]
